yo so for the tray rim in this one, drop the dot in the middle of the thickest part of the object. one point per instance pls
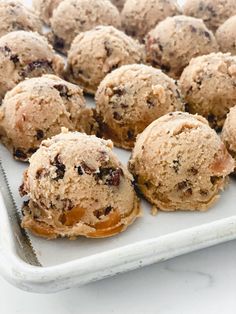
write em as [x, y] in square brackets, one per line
[51, 279]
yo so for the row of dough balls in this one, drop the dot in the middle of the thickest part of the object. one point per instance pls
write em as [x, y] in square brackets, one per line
[75, 185]
[127, 101]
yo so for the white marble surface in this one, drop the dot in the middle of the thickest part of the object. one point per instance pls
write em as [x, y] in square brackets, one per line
[202, 282]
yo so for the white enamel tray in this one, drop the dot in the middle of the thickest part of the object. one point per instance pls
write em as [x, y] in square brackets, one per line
[150, 239]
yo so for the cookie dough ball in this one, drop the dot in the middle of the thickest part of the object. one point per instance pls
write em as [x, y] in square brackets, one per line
[25, 54]
[226, 36]
[45, 8]
[229, 132]
[130, 98]
[15, 16]
[36, 109]
[208, 86]
[139, 16]
[119, 4]
[72, 17]
[175, 41]
[97, 52]
[213, 12]
[77, 186]
[180, 163]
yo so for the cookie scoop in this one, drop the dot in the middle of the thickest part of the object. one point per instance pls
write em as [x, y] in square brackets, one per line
[76, 186]
[180, 163]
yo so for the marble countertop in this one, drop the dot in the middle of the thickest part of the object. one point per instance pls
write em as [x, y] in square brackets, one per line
[203, 282]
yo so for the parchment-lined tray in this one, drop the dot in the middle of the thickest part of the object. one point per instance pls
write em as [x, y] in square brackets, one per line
[150, 239]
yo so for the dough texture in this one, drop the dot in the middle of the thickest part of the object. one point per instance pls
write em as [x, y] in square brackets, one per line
[45, 8]
[15, 16]
[25, 54]
[72, 17]
[208, 86]
[36, 109]
[180, 163]
[130, 98]
[229, 132]
[226, 36]
[77, 186]
[213, 12]
[139, 17]
[97, 52]
[175, 41]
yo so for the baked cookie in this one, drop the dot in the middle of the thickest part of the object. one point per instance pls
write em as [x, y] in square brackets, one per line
[77, 186]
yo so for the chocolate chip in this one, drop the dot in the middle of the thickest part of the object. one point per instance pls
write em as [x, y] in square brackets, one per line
[124, 106]
[35, 65]
[6, 49]
[60, 168]
[186, 107]
[130, 135]
[182, 185]
[80, 170]
[165, 68]
[111, 176]
[107, 210]
[150, 103]
[59, 43]
[97, 213]
[39, 134]
[117, 116]
[113, 67]
[63, 90]
[207, 35]
[108, 48]
[119, 91]
[193, 29]
[176, 165]
[14, 58]
[203, 192]
[193, 171]
[18, 153]
[214, 179]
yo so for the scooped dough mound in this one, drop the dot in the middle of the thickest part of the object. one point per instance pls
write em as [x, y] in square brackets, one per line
[175, 41]
[72, 17]
[36, 109]
[15, 16]
[130, 98]
[45, 8]
[226, 36]
[229, 132]
[180, 163]
[139, 16]
[97, 52]
[25, 54]
[208, 86]
[213, 12]
[77, 186]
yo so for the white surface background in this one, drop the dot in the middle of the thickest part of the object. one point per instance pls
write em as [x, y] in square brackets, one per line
[203, 282]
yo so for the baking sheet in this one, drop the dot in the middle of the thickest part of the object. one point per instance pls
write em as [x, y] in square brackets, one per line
[55, 252]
